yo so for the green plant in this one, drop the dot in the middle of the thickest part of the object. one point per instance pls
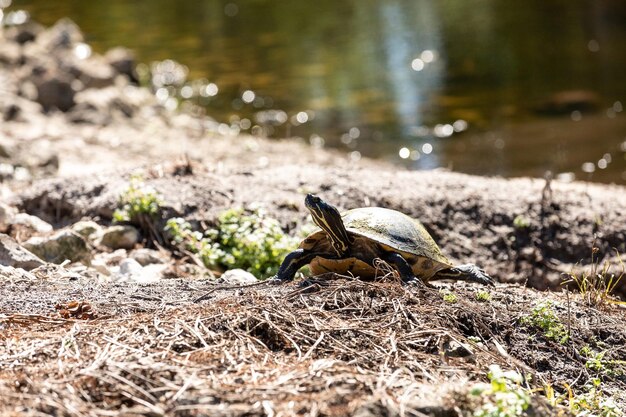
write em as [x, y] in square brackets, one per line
[483, 296]
[140, 205]
[181, 234]
[521, 222]
[503, 396]
[544, 317]
[596, 361]
[136, 201]
[449, 297]
[593, 402]
[598, 283]
[247, 240]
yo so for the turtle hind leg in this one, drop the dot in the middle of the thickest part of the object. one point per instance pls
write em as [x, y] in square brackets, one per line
[403, 267]
[467, 272]
[294, 261]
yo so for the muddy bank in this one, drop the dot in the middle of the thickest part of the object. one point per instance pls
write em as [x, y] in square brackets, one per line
[520, 230]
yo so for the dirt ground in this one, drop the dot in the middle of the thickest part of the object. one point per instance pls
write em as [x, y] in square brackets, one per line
[331, 347]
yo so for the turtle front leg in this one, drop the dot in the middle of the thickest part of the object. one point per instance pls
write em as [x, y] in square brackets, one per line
[403, 267]
[294, 261]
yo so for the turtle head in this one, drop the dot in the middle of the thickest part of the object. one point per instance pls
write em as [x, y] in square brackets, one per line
[327, 217]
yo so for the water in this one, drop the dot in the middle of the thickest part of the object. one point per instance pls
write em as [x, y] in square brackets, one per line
[470, 85]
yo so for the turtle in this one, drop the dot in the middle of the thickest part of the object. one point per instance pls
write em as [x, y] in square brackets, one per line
[352, 242]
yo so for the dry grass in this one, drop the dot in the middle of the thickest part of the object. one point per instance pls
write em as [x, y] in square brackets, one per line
[332, 349]
[598, 283]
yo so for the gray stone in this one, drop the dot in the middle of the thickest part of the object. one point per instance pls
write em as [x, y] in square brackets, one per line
[86, 228]
[93, 73]
[130, 270]
[12, 254]
[23, 33]
[105, 105]
[7, 213]
[120, 237]
[123, 61]
[9, 273]
[10, 53]
[7, 148]
[238, 277]
[88, 113]
[63, 35]
[100, 266]
[147, 256]
[33, 223]
[65, 245]
[16, 109]
[55, 92]
[130, 267]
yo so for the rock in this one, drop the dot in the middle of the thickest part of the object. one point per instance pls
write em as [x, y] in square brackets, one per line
[12, 254]
[12, 172]
[7, 213]
[8, 273]
[100, 266]
[88, 113]
[152, 273]
[119, 237]
[34, 223]
[86, 228]
[103, 106]
[54, 91]
[113, 258]
[63, 35]
[26, 32]
[65, 245]
[238, 277]
[93, 73]
[130, 269]
[11, 112]
[10, 53]
[7, 195]
[7, 149]
[17, 109]
[147, 256]
[123, 61]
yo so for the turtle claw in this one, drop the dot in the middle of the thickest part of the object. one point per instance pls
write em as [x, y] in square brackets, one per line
[415, 282]
[275, 281]
[310, 283]
[467, 272]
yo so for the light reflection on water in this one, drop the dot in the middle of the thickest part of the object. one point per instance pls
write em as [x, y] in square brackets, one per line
[472, 85]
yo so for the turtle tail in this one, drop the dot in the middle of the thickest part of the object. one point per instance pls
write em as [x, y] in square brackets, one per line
[467, 272]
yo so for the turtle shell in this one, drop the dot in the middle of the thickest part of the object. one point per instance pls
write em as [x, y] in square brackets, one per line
[377, 229]
[393, 229]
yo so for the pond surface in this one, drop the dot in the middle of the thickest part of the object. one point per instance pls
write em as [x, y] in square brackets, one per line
[488, 87]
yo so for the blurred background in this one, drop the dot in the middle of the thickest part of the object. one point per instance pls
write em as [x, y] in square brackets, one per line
[489, 87]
